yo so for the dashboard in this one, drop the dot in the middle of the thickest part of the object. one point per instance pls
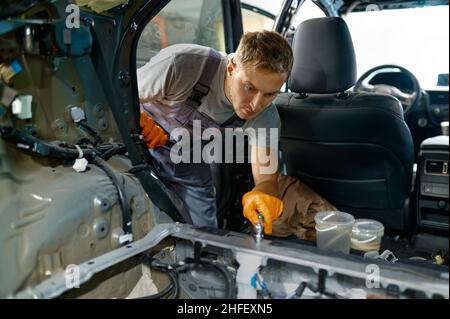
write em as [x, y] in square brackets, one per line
[438, 104]
[435, 100]
[425, 119]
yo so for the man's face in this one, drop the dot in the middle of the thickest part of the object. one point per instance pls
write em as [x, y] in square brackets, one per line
[250, 89]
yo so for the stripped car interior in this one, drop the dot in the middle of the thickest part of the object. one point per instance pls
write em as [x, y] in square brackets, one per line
[84, 212]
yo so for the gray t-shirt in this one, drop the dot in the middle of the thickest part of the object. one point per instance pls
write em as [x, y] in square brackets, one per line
[168, 79]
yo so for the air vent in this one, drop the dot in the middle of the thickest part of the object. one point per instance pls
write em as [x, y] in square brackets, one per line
[436, 167]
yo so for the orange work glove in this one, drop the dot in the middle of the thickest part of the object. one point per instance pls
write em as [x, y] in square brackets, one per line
[256, 202]
[153, 134]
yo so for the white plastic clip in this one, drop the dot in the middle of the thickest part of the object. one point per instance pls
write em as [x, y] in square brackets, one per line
[21, 106]
[388, 256]
[385, 255]
[80, 163]
[125, 238]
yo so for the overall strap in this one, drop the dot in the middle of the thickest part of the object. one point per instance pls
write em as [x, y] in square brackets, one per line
[201, 88]
[234, 121]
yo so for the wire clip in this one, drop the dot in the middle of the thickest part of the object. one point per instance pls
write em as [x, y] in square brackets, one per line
[80, 163]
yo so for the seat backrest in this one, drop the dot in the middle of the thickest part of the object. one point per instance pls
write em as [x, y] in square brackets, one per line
[354, 149]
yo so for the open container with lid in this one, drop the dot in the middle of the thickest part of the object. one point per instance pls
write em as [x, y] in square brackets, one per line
[333, 229]
[366, 235]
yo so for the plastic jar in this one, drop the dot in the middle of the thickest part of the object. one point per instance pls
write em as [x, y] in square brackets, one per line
[366, 235]
[333, 230]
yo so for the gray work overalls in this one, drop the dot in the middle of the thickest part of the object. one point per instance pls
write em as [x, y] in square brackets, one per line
[191, 181]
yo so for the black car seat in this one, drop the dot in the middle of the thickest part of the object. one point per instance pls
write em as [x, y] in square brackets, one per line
[354, 149]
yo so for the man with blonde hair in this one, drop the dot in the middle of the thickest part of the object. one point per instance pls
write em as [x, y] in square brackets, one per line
[186, 82]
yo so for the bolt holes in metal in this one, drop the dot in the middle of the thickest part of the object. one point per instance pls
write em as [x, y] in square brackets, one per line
[100, 227]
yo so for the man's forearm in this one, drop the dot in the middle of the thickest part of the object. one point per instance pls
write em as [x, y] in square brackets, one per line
[266, 183]
[268, 186]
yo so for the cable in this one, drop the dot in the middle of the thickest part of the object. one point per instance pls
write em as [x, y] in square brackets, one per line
[229, 282]
[58, 150]
[47, 149]
[126, 214]
[176, 288]
[260, 280]
[174, 269]
[84, 126]
[36, 146]
[301, 288]
[228, 278]
[319, 289]
[173, 287]
[114, 150]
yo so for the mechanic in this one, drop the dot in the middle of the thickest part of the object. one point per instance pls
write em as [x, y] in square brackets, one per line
[186, 82]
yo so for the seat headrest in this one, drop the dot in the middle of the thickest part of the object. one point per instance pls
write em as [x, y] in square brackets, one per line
[324, 57]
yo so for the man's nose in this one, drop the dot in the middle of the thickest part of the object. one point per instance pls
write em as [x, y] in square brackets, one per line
[257, 103]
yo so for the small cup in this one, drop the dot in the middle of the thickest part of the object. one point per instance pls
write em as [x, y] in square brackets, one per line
[444, 128]
[333, 229]
[366, 235]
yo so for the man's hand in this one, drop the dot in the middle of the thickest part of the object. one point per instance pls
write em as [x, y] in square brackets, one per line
[153, 134]
[256, 202]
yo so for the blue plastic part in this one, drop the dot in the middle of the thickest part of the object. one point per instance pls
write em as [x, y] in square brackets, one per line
[253, 281]
[15, 65]
[73, 41]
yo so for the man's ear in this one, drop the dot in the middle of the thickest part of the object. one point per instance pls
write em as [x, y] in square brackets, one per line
[231, 66]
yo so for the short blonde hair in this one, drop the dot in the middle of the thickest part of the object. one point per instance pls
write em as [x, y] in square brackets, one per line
[266, 50]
